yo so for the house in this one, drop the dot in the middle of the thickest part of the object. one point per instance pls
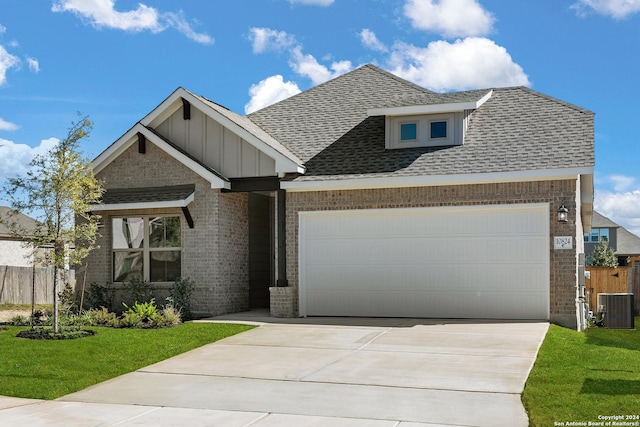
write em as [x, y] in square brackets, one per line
[14, 251]
[625, 244]
[364, 196]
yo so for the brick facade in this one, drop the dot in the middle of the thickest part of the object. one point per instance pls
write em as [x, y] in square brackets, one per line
[563, 263]
[215, 252]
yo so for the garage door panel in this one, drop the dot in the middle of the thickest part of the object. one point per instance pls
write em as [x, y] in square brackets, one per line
[490, 262]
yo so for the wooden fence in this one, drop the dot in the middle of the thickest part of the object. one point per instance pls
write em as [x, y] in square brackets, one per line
[605, 280]
[613, 280]
[633, 285]
[16, 284]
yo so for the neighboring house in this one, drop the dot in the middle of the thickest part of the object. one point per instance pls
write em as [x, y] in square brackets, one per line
[625, 244]
[14, 251]
[364, 196]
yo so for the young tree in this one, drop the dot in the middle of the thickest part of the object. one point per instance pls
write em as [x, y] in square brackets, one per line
[57, 192]
[603, 256]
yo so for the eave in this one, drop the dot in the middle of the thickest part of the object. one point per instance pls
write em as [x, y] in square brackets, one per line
[429, 108]
[359, 183]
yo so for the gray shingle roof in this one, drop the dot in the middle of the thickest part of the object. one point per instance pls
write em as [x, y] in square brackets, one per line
[601, 221]
[115, 196]
[517, 129]
[21, 220]
[628, 244]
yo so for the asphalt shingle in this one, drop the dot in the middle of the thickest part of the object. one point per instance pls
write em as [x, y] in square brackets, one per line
[517, 129]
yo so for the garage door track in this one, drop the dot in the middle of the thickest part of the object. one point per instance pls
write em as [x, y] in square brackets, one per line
[338, 372]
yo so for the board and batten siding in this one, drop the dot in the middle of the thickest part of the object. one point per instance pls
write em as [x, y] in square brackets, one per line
[216, 146]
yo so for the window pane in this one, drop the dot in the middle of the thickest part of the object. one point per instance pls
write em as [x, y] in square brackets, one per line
[127, 265]
[586, 237]
[604, 234]
[165, 266]
[164, 232]
[128, 233]
[594, 235]
[438, 130]
[408, 131]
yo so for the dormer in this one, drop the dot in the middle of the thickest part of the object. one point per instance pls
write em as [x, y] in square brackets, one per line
[430, 125]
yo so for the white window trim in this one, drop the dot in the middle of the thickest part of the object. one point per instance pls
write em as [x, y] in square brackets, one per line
[423, 123]
[146, 249]
[408, 122]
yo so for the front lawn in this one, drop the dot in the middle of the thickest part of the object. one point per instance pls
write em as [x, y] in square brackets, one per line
[43, 369]
[581, 377]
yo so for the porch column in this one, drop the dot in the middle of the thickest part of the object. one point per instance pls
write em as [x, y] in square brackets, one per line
[282, 239]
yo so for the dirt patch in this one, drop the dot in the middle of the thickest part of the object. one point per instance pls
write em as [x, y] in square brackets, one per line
[7, 315]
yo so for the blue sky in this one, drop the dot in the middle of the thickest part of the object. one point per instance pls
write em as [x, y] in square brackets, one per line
[117, 60]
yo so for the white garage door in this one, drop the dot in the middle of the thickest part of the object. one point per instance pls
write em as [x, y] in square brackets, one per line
[455, 262]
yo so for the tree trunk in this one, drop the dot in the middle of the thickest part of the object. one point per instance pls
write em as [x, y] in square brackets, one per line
[55, 300]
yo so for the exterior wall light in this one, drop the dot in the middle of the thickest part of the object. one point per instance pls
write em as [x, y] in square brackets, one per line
[563, 213]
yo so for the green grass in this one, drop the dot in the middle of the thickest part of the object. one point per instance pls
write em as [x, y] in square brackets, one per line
[43, 369]
[579, 376]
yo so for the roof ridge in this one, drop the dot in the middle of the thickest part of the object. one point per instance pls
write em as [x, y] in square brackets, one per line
[548, 97]
[396, 77]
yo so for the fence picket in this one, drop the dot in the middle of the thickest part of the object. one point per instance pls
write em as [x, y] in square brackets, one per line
[16, 285]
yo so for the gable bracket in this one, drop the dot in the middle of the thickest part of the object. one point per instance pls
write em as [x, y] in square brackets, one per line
[142, 143]
[186, 109]
[187, 216]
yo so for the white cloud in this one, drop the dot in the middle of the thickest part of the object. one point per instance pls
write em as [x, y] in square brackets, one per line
[469, 63]
[102, 13]
[617, 9]
[274, 88]
[180, 23]
[3, 29]
[269, 91]
[369, 40]
[621, 183]
[306, 65]
[8, 126]
[313, 2]
[34, 65]
[7, 61]
[450, 18]
[623, 208]
[15, 158]
[265, 39]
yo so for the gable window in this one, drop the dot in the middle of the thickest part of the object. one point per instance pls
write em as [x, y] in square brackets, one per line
[428, 130]
[146, 248]
[408, 131]
[438, 129]
[597, 235]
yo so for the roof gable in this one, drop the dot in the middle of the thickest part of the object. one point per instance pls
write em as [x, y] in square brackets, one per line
[133, 136]
[245, 129]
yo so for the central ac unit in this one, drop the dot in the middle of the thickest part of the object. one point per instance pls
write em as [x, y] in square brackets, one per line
[616, 310]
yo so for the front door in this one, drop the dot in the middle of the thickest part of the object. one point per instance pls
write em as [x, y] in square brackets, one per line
[261, 243]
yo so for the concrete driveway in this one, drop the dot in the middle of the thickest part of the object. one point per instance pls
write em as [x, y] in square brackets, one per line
[318, 372]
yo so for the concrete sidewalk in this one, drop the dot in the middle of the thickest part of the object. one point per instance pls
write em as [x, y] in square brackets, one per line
[317, 372]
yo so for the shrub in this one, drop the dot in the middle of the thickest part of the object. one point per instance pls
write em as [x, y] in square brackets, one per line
[39, 317]
[138, 290]
[100, 317]
[19, 320]
[170, 316]
[146, 310]
[130, 319]
[67, 301]
[100, 296]
[181, 292]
